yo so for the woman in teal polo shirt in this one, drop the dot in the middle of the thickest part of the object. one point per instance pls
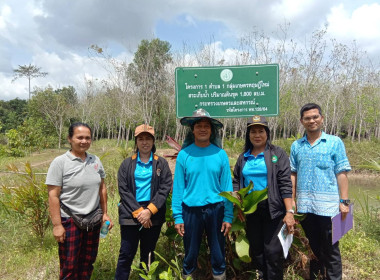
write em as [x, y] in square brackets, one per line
[267, 166]
[144, 183]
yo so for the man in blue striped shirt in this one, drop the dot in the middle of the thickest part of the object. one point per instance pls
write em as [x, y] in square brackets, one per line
[319, 168]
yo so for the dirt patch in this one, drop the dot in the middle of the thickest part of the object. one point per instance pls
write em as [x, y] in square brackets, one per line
[165, 153]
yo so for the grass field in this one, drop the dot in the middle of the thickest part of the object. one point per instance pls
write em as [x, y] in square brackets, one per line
[23, 256]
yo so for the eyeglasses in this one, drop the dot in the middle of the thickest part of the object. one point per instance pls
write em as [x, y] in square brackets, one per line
[308, 119]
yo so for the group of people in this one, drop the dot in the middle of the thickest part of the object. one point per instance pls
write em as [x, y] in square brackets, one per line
[313, 181]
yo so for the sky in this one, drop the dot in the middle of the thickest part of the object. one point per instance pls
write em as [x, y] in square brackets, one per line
[56, 35]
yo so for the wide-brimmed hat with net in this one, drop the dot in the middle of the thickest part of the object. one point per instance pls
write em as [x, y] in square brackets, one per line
[198, 115]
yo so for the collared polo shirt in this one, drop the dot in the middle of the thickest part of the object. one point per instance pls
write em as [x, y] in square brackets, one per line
[255, 170]
[79, 181]
[317, 166]
[143, 178]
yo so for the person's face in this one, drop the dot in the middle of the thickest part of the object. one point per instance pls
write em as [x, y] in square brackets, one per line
[312, 120]
[258, 136]
[144, 142]
[81, 140]
[202, 131]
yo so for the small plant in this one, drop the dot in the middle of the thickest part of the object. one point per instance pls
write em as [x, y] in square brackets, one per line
[147, 272]
[245, 201]
[370, 215]
[29, 200]
[173, 267]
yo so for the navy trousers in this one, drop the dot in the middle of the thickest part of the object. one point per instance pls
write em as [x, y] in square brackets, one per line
[318, 231]
[130, 238]
[197, 220]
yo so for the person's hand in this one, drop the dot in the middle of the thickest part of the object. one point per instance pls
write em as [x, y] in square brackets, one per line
[144, 216]
[180, 228]
[226, 228]
[59, 233]
[344, 209]
[290, 222]
[107, 218]
[241, 216]
[147, 224]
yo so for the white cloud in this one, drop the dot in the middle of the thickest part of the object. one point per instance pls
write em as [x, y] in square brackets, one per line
[361, 25]
[190, 21]
[5, 11]
[291, 8]
[364, 22]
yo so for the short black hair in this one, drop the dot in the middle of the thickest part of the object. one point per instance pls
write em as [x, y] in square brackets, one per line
[310, 106]
[75, 125]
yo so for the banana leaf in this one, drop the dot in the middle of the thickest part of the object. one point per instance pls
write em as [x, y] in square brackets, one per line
[252, 199]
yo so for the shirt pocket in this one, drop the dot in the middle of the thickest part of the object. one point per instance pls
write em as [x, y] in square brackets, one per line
[323, 161]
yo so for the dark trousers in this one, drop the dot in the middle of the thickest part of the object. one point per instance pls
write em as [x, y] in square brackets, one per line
[78, 252]
[318, 231]
[207, 218]
[130, 238]
[264, 246]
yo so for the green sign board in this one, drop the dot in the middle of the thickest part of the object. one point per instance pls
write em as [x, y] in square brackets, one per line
[228, 91]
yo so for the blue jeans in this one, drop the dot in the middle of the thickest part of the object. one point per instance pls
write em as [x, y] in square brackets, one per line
[130, 238]
[196, 220]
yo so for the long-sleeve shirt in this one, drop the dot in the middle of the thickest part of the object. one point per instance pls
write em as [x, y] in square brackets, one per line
[200, 175]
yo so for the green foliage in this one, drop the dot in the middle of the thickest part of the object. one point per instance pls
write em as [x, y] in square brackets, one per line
[173, 267]
[29, 199]
[12, 113]
[370, 213]
[147, 272]
[242, 248]
[28, 137]
[150, 58]
[54, 106]
[14, 144]
[360, 253]
[245, 201]
[364, 155]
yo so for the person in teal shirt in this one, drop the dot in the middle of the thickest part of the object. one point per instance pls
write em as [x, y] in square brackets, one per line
[267, 167]
[202, 172]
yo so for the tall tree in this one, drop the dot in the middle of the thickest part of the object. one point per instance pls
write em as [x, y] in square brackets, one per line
[147, 71]
[54, 106]
[28, 71]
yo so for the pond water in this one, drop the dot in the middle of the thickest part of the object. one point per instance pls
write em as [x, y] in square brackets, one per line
[364, 186]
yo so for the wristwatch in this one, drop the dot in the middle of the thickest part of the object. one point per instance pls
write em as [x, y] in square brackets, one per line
[290, 211]
[345, 201]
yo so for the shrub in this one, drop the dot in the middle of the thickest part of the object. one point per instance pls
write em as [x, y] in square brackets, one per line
[29, 200]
